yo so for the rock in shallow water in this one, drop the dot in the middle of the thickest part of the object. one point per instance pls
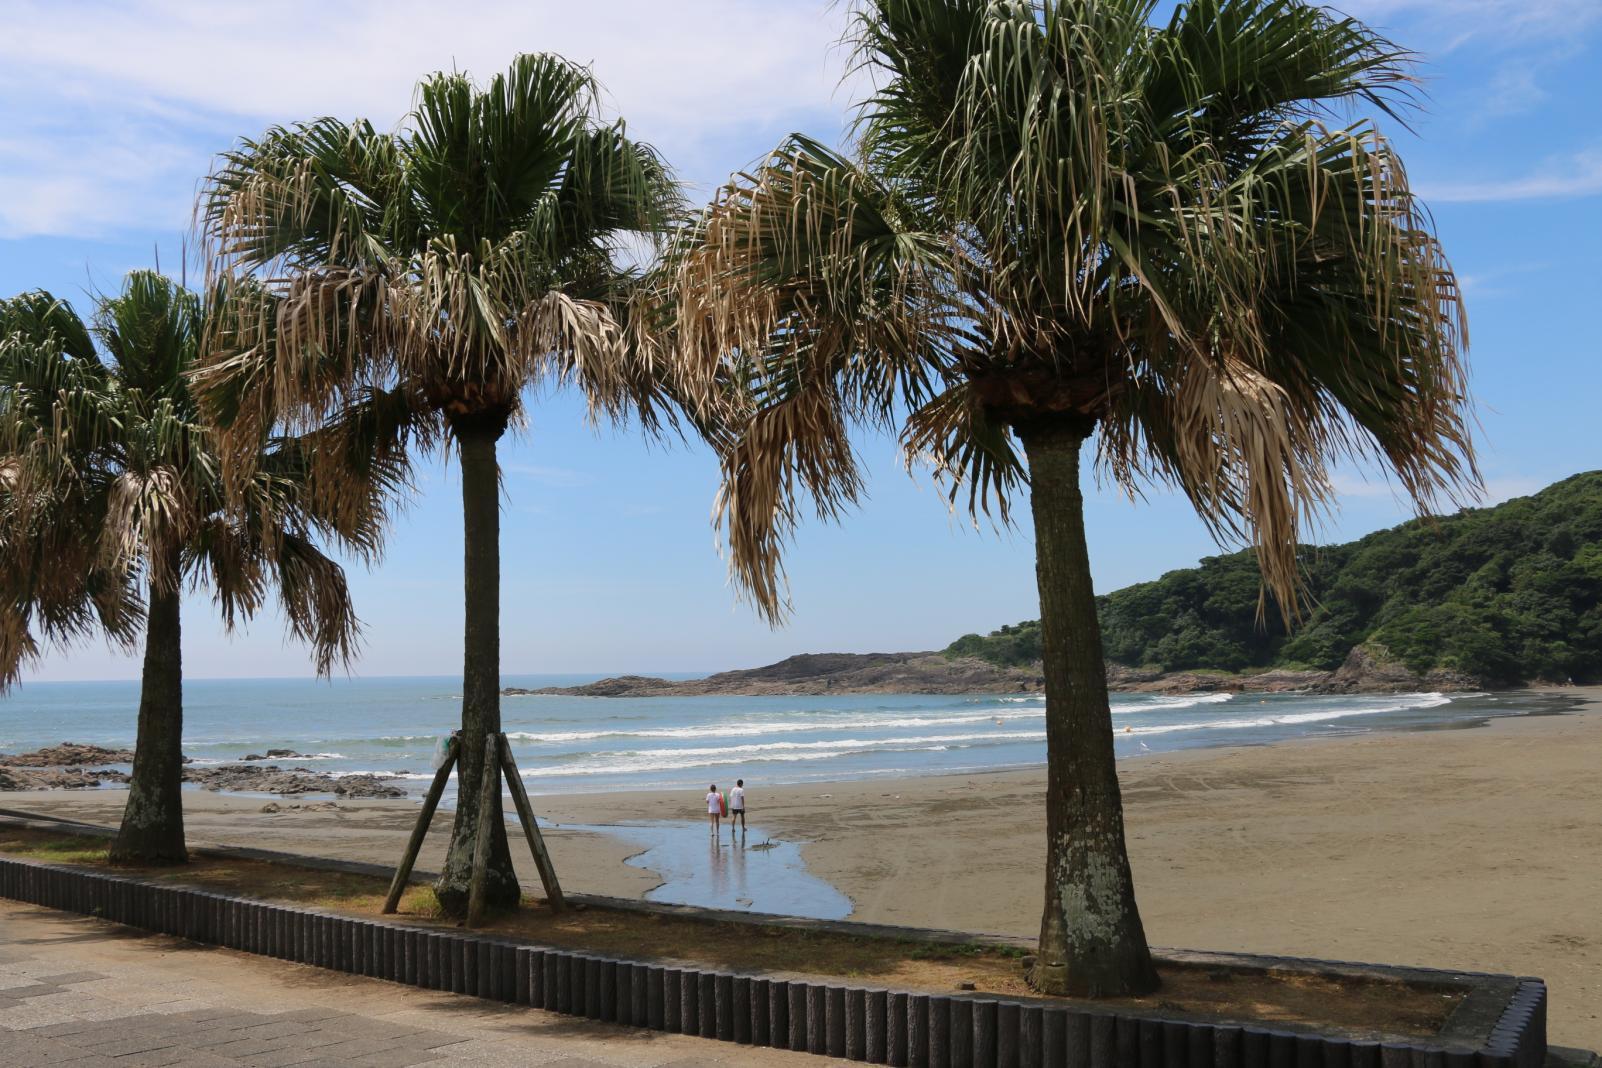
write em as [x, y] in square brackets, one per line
[72, 766]
[68, 755]
[55, 778]
[275, 780]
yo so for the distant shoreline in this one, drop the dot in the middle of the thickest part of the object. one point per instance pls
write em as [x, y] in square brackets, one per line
[936, 673]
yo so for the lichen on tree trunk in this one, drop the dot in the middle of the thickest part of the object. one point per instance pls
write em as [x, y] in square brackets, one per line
[1092, 943]
[481, 675]
[152, 830]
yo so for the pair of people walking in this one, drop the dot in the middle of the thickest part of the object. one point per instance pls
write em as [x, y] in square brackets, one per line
[733, 806]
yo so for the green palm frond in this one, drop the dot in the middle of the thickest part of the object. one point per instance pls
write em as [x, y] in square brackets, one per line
[108, 475]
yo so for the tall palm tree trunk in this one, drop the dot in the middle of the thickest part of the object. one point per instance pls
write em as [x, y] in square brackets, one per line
[152, 830]
[481, 673]
[1092, 943]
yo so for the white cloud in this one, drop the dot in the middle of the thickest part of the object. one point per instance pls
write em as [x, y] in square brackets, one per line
[1504, 23]
[114, 109]
[1579, 175]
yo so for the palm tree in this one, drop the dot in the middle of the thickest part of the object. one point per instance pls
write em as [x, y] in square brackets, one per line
[111, 498]
[429, 279]
[1061, 220]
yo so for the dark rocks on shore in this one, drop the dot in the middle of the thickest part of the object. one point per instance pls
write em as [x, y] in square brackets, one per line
[278, 754]
[360, 786]
[237, 778]
[71, 766]
[1370, 669]
[68, 755]
[1122, 679]
[68, 766]
[19, 778]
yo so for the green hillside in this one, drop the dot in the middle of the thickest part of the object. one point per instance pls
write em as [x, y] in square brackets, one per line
[1507, 594]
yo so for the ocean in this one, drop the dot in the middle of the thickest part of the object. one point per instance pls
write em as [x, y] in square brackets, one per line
[579, 744]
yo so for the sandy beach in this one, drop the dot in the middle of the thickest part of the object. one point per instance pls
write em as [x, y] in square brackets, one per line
[1472, 848]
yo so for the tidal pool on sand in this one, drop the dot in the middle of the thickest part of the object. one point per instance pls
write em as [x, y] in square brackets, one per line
[754, 873]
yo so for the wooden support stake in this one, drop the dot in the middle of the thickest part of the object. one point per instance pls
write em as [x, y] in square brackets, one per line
[488, 789]
[531, 829]
[403, 874]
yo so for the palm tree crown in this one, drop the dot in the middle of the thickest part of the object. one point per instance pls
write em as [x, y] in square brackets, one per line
[1059, 209]
[430, 277]
[110, 481]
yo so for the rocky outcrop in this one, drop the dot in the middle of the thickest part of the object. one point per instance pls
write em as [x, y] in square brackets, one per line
[1370, 669]
[71, 766]
[238, 778]
[17, 778]
[1148, 680]
[69, 755]
[278, 754]
[355, 787]
[68, 766]
[812, 674]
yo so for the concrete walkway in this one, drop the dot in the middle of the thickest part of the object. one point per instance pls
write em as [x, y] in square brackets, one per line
[80, 992]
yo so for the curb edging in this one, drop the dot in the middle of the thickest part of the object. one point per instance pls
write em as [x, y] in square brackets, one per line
[892, 1027]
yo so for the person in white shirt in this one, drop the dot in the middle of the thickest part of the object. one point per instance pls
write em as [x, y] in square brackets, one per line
[714, 807]
[737, 805]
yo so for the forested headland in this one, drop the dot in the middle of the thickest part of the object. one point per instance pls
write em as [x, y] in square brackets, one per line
[1508, 594]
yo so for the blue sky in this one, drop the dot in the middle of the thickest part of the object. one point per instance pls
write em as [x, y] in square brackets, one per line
[113, 111]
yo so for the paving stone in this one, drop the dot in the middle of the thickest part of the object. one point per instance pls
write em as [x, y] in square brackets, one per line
[268, 1027]
[396, 1058]
[313, 1015]
[175, 1057]
[36, 1051]
[202, 1015]
[246, 1048]
[289, 1057]
[124, 1045]
[71, 1027]
[69, 978]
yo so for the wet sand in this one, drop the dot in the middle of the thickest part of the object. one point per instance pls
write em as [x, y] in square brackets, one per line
[1476, 849]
